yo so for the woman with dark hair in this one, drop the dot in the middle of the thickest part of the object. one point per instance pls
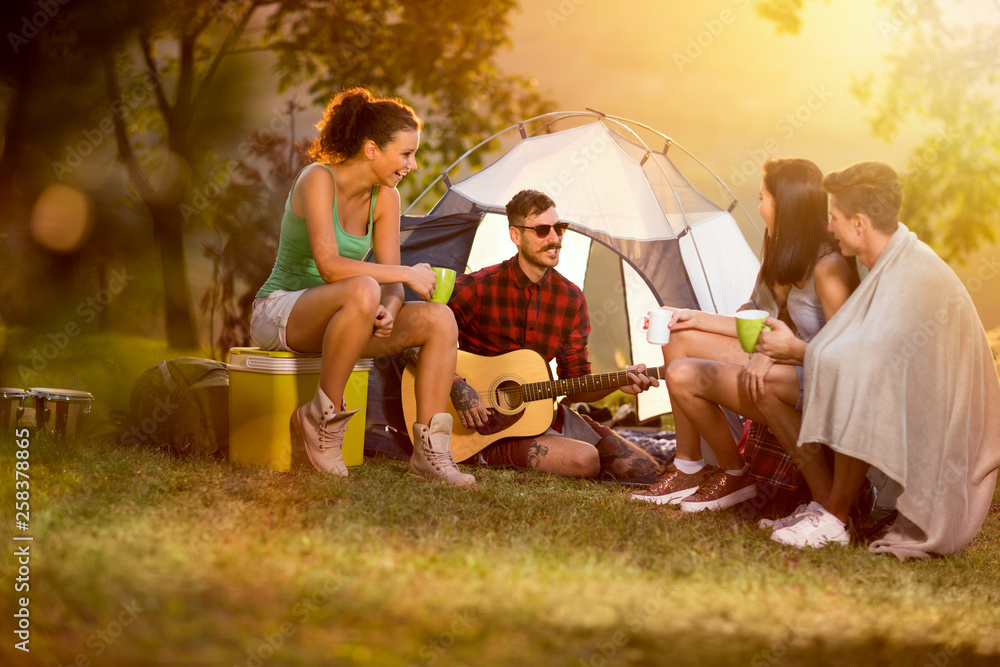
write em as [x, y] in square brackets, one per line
[801, 270]
[902, 379]
[323, 297]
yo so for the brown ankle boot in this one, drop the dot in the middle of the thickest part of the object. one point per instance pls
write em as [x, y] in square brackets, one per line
[620, 458]
[319, 431]
[432, 453]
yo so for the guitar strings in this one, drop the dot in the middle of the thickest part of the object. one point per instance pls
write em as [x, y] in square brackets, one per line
[519, 390]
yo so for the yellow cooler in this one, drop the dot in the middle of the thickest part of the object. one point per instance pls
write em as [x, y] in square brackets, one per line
[266, 387]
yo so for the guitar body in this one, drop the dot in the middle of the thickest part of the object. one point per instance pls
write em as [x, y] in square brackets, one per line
[498, 380]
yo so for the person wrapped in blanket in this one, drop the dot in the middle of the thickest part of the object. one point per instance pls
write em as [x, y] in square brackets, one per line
[707, 370]
[902, 379]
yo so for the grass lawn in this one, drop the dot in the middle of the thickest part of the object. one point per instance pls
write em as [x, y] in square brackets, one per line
[140, 558]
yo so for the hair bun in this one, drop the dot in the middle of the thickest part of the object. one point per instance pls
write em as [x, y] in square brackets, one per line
[354, 99]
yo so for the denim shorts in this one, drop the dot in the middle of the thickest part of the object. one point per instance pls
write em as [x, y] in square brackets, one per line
[801, 372]
[269, 319]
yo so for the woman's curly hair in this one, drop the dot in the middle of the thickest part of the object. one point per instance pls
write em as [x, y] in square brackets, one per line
[353, 117]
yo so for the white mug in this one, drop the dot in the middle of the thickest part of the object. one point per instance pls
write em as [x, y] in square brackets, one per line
[656, 324]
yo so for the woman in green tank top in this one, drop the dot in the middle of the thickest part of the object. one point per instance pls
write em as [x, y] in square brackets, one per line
[322, 297]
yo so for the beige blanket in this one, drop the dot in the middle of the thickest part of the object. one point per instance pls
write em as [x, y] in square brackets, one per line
[902, 377]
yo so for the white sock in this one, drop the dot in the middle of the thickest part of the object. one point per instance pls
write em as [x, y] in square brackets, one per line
[739, 473]
[689, 467]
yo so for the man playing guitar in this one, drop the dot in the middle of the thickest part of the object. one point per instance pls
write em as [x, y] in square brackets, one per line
[524, 303]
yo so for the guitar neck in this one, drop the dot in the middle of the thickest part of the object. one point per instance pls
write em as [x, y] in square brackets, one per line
[537, 391]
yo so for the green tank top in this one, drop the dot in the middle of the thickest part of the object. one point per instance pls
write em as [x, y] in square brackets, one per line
[294, 268]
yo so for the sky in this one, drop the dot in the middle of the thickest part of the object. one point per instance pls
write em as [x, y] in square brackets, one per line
[725, 85]
[712, 75]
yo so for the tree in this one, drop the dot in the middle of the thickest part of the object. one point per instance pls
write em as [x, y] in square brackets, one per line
[247, 236]
[944, 72]
[438, 56]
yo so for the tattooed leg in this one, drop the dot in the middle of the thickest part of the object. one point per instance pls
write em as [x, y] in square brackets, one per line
[536, 451]
[411, 355]
[623, 459]
[559, 455]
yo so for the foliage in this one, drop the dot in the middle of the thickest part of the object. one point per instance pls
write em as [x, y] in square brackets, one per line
[944, 73]
[785, 14]
[246, 227]
[438, 56]
[93, 57]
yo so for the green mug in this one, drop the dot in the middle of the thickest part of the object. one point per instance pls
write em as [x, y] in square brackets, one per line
[444, 283]
[748, 326]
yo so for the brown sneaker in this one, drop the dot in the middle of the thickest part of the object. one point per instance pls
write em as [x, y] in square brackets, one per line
[720, 491]
[673, 486]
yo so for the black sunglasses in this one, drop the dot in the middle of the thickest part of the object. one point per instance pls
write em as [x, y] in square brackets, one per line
[542, 231]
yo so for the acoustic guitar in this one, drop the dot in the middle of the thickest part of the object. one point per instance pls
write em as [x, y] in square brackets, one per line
[519, 392]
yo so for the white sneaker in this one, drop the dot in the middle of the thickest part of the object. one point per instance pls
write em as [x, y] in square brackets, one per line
[814, 529]
[791, 519]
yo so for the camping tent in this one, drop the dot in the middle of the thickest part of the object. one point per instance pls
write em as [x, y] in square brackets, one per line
[667, 243]
[641, 234]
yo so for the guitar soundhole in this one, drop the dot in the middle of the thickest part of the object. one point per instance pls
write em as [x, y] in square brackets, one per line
[508, 397]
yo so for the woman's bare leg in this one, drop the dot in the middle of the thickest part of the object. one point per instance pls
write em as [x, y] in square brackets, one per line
[700, 345]
[430, 326]
[338, 320]
[698, 387]
[848, 476]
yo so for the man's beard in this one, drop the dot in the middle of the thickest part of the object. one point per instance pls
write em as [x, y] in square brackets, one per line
[537, 258]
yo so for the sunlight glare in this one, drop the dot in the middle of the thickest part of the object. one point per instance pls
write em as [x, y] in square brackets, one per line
[61, 220]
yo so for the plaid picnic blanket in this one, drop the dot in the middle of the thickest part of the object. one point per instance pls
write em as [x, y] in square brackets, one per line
[769, 462]
[661, 445]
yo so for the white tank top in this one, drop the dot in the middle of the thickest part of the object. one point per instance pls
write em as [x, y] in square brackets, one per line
[805, 308]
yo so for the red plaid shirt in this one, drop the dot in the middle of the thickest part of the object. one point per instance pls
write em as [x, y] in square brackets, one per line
[499, 310]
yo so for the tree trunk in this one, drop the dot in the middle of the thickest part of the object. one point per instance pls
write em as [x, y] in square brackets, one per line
[180, 324]
[20, 82]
